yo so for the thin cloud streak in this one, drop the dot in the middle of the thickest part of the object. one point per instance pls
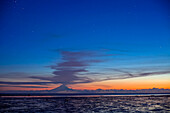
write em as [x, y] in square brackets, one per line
[14, 75]
[128, 75]
[27, 83]
[23, 86]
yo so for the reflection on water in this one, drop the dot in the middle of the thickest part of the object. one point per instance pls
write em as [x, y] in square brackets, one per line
[93, 104]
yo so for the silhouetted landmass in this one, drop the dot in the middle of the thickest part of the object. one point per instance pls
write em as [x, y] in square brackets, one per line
[64, 90]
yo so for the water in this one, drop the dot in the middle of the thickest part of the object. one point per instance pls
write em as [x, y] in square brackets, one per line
[86, 104]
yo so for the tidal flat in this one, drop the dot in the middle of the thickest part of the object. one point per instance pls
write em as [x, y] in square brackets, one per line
[91, 104]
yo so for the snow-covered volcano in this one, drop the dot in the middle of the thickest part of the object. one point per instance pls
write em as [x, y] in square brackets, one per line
[62, 88]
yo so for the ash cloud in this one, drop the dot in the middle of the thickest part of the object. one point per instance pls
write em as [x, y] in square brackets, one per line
[72, 64]
[74, 69]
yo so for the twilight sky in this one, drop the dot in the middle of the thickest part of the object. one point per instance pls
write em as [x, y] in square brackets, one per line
[85, 44]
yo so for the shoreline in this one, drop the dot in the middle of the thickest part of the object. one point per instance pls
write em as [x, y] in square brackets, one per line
[82, 96]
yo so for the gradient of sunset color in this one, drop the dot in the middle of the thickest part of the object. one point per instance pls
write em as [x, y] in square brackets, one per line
[84, 44]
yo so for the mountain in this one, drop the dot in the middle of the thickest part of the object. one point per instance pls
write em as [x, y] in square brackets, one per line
[62, 88]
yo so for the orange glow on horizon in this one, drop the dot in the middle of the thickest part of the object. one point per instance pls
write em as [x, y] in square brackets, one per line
[160, 81]
[149, 82]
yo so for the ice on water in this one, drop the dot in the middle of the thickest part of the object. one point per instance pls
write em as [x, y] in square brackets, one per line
[101, 104]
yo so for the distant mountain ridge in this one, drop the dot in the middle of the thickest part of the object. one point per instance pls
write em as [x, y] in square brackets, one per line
[64, 89]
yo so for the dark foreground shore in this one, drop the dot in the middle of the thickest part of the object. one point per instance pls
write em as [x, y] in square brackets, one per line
[93, 104]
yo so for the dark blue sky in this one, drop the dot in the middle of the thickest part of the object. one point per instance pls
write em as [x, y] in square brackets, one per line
[128, 33]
